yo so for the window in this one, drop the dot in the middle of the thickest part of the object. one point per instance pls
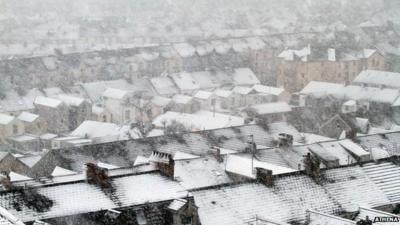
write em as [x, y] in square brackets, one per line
[15, 129]
[186, 220]
[104, 118]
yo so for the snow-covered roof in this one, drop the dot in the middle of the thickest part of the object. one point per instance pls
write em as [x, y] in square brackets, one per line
[14, 177]
[181, 99]
[244, 76]
[242, 90]
[14, 102]
[160, 101]
[268, 89]
[320, 89]
[114, 93]
[6, 119]
[184, 81]
[200, 172]
[49, 102]
[48, 136]
[202, 120]
[164, 85]
[245, 166]
[182, 155]
[271, 108]
[222, 93]
[177, 204]
[81, 197]
[208, 79]
[203, 94]
[71, 100]
[378, 78]
[28, 117]
[184, 49]
[149, 56]
[95, 129]
[291, 54]
[94, 90]
[98, 110]
[106, 165]
[59, 171]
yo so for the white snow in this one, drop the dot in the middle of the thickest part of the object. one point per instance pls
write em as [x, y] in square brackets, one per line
[245, 166]
[184, 81]
[203, 95]
[182, 99]
[114, 93]
[106, 166]
[160, 101]
[18, 177]
[71, 100]
[202, 120]
[6, 119]
[181, 155]
[28, 117]
[223, 93]
[244, 76]
[268, 89]
[59, 171]
[271, 108]
[49, 102]
[140, 160]
[377, 78]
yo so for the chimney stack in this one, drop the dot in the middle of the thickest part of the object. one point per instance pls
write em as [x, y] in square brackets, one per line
[265, 176]
[312, 167]
[285, 140]
[165, 163]
[97, 175]
[5, 180]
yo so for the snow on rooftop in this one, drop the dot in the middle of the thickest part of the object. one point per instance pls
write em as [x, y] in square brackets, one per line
[114, 93]
[177, 204]
[271, 108]
[242, 90]
[95, 129]
[106, 166]
[71, 100]
[244, 76]
[48, 136]
[140, 160]
[181, 155]
[354, 148]
[238, 45]
[203, 94]
[14, 177]
[200, 172]
[185, 50]
[378, 78]
[59, 171]
[268, 89]
[200, 120]
[6, 119]
[321, 89]
[49, 102]
[184, 81]
[28, 117]
[245, 166]
[164, 85]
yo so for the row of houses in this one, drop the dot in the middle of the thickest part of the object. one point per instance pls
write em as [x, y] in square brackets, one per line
[296, 68]
[245, 174]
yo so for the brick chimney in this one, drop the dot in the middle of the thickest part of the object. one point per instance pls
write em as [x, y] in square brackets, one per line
[5, 180]
[97, 175]
[165, 163]
[265, 176]
[312, 167]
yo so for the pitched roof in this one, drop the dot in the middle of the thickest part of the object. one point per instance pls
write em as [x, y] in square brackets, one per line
[377, 78]
[164, 85]
[244, 76]
[114, 93]
[268, 89]
[271, 108]
[49, 102]
[28, 117]
[184, 81]
[6, 119]
[81, 197]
